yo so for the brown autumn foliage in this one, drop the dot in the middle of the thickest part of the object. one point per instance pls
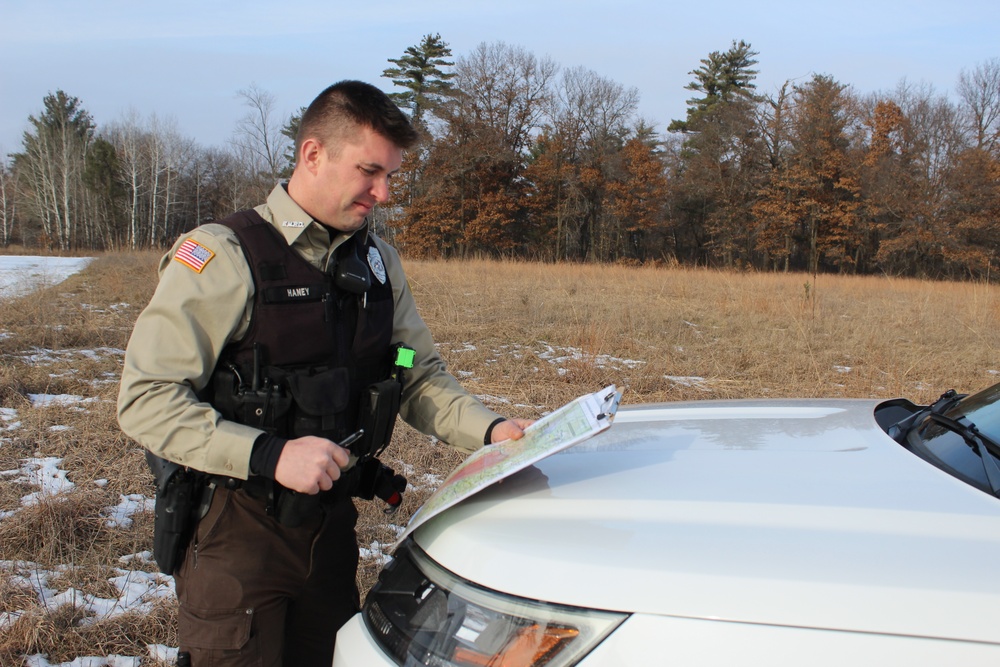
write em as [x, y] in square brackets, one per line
[526, 159]
[817, 179]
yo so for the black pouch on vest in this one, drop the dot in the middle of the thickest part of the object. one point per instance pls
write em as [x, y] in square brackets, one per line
[379, 407]
[319, 399]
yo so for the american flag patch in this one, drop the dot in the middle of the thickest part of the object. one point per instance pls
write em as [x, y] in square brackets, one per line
[194, 255]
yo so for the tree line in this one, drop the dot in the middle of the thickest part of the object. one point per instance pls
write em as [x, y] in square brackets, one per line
[525, 158]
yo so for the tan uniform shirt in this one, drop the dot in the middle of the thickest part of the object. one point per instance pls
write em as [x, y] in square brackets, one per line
[194, 313]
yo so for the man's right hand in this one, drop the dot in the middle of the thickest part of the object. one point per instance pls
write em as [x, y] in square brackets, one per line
[310, 464]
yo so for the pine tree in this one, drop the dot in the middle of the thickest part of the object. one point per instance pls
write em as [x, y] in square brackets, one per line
[721, 156]
[419, 70]
[291, 132]
[722, 77]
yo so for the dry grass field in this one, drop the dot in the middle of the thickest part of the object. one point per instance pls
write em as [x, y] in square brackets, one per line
[526, 338]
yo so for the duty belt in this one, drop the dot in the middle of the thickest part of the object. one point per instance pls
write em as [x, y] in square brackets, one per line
[262, 488]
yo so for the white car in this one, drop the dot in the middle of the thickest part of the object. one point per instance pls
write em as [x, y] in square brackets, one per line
[778, 533]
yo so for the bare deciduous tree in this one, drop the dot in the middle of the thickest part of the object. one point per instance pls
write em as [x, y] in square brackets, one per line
[258, 140]
[979, 91]
[7, 201]
[593, 107]
[153, 159]
[508, 89]
[592, 118]
[50, 167]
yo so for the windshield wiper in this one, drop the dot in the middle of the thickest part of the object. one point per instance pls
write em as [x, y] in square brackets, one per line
[987, 448]
[944, 403]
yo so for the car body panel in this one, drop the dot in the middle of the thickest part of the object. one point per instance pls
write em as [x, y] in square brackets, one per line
[666, 640]
[669, 641]
[774, 513]
[356, 647]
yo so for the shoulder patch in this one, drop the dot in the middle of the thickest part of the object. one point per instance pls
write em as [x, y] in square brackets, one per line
[376, 264]
[193, 255]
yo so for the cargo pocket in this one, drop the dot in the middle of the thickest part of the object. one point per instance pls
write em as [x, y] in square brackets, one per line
[214, 629]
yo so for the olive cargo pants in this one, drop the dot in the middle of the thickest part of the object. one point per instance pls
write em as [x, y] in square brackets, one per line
[255, 592]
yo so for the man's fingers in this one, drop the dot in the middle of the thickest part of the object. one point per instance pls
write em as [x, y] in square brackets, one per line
[325, 482]
[310, 464]
[341, 457]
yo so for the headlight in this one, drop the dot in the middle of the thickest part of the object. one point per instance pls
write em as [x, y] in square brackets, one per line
[422, 614]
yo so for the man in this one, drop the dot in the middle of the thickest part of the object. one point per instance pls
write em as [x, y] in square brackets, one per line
[268, 340]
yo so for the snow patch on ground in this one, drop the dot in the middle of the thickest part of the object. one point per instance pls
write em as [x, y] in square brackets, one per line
[21, 275]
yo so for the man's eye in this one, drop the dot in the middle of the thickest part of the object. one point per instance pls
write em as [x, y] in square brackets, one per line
[367, 171]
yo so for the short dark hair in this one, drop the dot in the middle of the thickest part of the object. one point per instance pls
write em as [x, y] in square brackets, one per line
[348, 104]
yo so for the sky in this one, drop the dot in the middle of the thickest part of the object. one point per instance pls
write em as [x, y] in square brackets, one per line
[183, 62]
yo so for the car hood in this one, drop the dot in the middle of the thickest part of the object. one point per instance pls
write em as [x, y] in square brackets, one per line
[798, 513]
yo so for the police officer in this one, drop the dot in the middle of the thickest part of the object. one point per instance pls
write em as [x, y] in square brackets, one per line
[255, 356]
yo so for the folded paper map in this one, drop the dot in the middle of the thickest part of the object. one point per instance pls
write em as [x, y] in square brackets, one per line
[571, 424]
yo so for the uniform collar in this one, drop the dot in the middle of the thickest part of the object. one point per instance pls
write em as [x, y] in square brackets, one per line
[292, 222]
[287, 216]
[310, 238]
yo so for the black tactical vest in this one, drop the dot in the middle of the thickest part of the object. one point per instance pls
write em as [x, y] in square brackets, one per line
[312, 347]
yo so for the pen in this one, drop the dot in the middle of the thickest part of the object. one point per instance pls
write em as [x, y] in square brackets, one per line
[352, 438]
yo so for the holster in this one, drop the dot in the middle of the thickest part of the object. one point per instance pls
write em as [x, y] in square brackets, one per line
[180, 502]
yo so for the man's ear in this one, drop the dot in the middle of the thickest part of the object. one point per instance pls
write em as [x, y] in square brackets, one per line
[310, 154]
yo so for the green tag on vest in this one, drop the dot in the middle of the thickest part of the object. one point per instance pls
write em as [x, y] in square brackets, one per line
[404, 356]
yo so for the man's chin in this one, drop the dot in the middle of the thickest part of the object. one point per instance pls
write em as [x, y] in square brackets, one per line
[348, 224]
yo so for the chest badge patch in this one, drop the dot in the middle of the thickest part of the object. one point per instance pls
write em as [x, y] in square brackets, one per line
[376, 264]
[193, 255]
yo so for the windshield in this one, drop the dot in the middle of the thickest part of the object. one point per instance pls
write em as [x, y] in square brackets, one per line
[948, 449]
[981, 409]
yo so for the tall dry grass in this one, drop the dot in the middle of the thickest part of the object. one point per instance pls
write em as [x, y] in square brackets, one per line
[747, 334]
[524, 337]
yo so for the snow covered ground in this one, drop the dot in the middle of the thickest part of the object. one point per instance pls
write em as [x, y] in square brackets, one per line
[20, 275]
[137, 590]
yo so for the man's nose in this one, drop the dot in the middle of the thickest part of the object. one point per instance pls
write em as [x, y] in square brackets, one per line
[380, 190]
